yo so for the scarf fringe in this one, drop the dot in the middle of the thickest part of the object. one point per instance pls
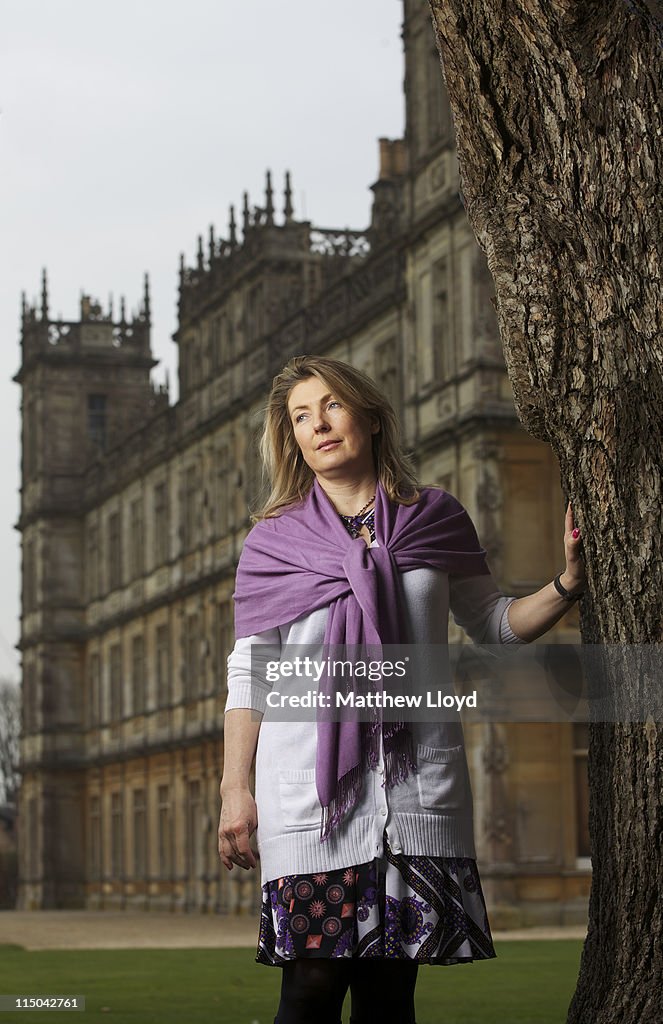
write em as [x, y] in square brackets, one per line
[399, 762]
[347, 793]
[399, 758]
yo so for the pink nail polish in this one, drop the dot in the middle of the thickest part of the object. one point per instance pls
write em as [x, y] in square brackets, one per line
[576, 534]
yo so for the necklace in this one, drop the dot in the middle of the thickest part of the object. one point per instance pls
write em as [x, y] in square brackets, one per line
[356, 522]
[362, 510]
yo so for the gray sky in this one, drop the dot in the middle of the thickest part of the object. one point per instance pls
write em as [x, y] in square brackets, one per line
[127, 128]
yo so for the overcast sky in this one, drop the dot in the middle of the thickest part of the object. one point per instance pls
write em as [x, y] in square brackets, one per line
[127, 128]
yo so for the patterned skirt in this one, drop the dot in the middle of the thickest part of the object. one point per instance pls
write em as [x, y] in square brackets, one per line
[429, 909]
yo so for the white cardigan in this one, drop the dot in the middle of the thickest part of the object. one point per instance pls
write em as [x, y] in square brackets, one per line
[431, 812]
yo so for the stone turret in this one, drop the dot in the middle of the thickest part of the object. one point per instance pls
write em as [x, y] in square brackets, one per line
[84, 384]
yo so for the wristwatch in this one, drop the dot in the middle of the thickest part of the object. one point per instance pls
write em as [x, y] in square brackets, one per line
[563, 592]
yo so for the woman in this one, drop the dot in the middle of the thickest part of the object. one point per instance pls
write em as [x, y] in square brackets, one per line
[364, 828]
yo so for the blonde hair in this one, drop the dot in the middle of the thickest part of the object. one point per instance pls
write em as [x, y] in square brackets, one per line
[290, 479]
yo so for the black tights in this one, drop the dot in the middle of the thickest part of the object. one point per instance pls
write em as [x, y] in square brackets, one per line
[382, 991]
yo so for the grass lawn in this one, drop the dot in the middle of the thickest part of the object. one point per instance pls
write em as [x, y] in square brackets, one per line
[528, 983]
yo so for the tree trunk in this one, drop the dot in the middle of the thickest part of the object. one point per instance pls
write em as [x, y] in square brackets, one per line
[557, 107]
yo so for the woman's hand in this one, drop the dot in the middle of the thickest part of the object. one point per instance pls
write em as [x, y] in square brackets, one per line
[238, 821]
[573, 578]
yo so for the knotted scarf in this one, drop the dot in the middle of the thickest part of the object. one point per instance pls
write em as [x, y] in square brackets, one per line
[305, 559]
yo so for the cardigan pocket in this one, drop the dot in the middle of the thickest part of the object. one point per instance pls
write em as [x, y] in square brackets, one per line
[442, 778]
[300, 806]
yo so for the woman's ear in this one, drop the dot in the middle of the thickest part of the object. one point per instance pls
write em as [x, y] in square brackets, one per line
[375, 426]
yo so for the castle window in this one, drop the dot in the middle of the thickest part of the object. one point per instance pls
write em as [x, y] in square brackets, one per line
[254, 469]
[30, 445]
[136, 546]
[33, 833]
[165, 832]
[254, 314]
[116, 835]
[114, 551]
[192, 657]
[222, 342]
[29, 700]
[191, 508]
[160, 524]
[163, 666]
[96, 419]
[140, 834]
[115, 683]
[92, 561]
[194, 850]
[94, 690]
[138, 674]
[225, 341]
[424, 330]
[95, 839]
[442, 327]
[29, 589]
[223, 636]
[386, 372]
[223, 494]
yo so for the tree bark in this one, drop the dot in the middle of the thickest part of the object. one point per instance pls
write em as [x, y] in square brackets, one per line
[557, 108]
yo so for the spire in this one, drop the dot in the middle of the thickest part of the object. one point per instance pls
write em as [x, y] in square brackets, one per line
[44, 295]
[201, 258]
[233, 228]
[212, 243]
[269, 199]
[146, 297]
[110, 306]
[245, 213]
[287, 209]
[123, 311]
[181, 269]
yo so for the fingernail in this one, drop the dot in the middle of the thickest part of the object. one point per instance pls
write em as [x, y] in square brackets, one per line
[576, 533]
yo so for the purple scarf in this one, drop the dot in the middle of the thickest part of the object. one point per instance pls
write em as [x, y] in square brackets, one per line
[305, 559]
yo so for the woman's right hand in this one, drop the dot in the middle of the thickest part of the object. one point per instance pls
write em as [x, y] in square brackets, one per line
[237, 823]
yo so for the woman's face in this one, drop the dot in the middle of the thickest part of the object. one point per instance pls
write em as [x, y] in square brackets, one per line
[333, 442]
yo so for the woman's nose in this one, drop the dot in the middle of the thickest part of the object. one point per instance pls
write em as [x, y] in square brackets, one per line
[319, 422]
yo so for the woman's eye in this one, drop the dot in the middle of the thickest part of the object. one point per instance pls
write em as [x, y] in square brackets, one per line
[329, 404]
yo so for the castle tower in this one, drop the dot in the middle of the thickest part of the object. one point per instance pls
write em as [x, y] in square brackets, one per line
[84, 383]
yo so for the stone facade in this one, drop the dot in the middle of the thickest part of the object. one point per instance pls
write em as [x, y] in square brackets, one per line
[134, 512]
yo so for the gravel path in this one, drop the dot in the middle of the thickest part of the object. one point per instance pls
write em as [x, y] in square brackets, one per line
[88, 929]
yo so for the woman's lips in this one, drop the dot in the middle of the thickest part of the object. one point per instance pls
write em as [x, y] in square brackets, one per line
[326, 447]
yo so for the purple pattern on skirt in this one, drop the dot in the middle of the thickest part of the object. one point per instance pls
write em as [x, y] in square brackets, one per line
[429, 909]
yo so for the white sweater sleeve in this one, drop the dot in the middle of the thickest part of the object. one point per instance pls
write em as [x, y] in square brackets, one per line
[480, 608]
[247, 683]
